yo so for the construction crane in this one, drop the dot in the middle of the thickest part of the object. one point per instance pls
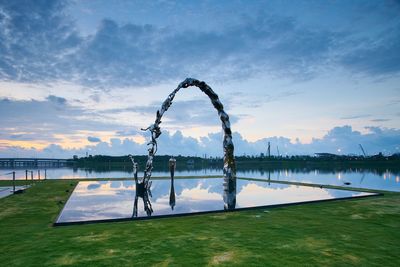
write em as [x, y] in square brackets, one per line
[362, 149]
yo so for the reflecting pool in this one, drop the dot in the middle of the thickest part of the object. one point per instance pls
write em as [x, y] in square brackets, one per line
[127, 199]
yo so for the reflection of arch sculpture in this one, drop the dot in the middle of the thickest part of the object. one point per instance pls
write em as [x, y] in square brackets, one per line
[229, 160]
[142, 190]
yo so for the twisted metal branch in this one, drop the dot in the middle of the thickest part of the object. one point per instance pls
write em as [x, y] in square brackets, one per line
[229, 160]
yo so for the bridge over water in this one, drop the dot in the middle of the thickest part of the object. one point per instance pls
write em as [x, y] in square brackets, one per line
[32, 162]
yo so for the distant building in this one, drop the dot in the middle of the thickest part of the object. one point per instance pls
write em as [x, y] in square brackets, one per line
[326, 155]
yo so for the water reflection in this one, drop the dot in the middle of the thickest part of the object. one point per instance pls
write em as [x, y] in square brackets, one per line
[380, 179]
[172, 199]
[229, 194]
[99, 200]
[143, 191]
[172, 167]
[103, 200]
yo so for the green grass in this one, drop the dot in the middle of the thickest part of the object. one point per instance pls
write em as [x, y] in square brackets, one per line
[363, 232]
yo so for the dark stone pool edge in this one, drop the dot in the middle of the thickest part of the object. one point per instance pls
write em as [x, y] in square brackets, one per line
[56, 224]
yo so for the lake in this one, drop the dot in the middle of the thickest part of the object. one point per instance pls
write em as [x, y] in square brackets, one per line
[370, 179]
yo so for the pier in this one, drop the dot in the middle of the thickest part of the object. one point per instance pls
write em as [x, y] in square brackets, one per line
[32, 162]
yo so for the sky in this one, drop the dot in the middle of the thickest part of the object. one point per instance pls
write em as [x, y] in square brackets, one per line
[306, 76]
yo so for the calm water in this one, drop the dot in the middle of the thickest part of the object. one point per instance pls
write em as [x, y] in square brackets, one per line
[362, 179]
[104, 200]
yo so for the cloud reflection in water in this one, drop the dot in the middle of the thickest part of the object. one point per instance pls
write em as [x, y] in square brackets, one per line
[103, 200]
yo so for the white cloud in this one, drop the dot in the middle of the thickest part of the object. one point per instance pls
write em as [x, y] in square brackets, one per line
[343, 138]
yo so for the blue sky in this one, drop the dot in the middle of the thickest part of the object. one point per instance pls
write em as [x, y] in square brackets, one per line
[308, 76]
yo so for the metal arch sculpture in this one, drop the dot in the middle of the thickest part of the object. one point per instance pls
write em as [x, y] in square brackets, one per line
[229, 160]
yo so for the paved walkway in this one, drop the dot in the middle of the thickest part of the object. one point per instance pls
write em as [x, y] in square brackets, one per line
[8, 190]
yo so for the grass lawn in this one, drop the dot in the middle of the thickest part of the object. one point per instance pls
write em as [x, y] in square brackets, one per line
[364, 232]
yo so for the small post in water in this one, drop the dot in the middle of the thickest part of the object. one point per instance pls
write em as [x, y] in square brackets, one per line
[172, 166]
[26, 177]
[38, 174]
[45, 174]
[13, 182]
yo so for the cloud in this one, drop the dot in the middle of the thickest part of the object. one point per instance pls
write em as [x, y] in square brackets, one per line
[55, 120]
[93, 139]
[243, 99]
[56, 99]
[352, 117]
[344, 138]
[142, 54]
[380, 120]
[128, 132]
[39, 42]
[45, 119]
[181, 114]
[378, 56]
[35, 39]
